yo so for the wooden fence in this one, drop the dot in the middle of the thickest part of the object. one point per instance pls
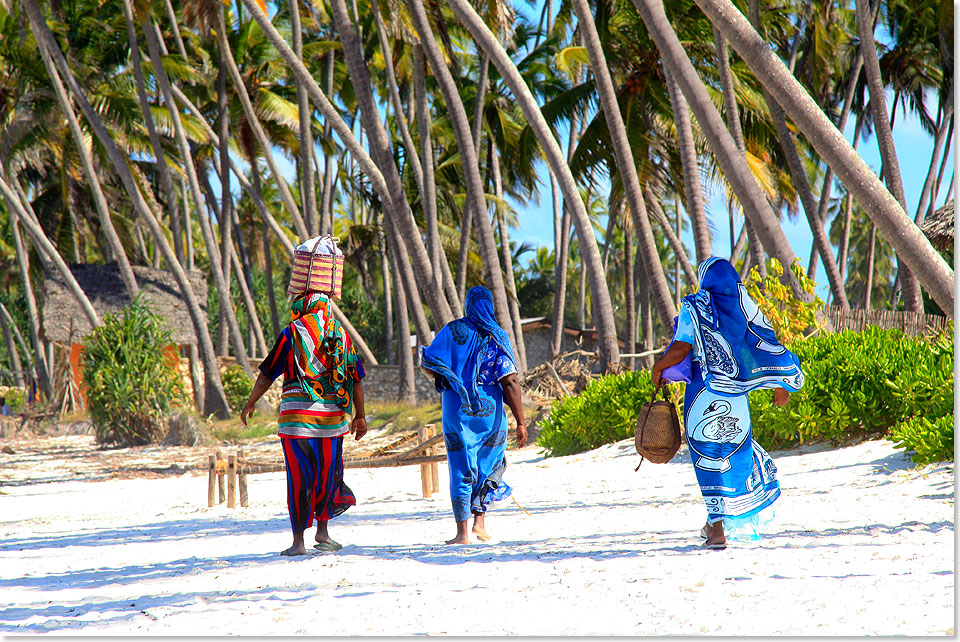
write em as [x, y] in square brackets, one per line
[912, 323]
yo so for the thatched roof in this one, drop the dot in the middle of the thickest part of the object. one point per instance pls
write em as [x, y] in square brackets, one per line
[939, 227]
[107, 293]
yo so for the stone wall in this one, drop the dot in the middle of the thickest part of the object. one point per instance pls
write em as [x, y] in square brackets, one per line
[382, 383]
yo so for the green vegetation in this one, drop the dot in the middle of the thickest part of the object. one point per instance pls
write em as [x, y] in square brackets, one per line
[237, 386]
[606, 411]
[858, 385]
[131, 384]
[862, 384]
[789, 316]
[260, 425]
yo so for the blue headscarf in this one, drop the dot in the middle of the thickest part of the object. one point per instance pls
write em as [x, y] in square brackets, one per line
[459, 347]
[739, 347]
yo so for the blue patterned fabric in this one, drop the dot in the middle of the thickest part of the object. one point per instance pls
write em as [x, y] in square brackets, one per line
[736, 476]
[736, 345]
[472, 354]
[459, 348]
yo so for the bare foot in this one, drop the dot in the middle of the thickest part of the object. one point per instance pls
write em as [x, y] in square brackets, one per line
[481, 534]
[459, 539]
[296, 549]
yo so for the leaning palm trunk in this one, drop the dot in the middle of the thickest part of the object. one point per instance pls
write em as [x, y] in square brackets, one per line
[912, 248]
[252, 190]
[467, 221]
[429, 190]
[471, 169]
[736, 132]
[400, 211]
[253, 120]
[731, 160]
[938, 141]
[308, 194]
[520, 350]
[800, 182]
[23, 266]
[626, 165]
[673, 237]
[629, 293]
[380, 150]
[602, 306]
[217, 404]
[220, 283]
[408, 389]
[385, 273]
[691, 169]
[19, 208]
[163, 171]
[93, 180]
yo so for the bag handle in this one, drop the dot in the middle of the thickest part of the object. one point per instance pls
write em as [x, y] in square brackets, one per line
[643, 426]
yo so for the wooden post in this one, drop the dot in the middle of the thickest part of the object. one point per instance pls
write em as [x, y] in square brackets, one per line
[424, 468]
[212, 480]
[231, 481]
[242, 471]
[222, 494]
[434, 469]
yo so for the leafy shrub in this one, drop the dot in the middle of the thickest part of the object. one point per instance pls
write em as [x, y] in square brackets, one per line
[931, 440]
[859, 384]
[606, 411]
[15, 398]
[789, 316]
[131, 384]
[237, 386]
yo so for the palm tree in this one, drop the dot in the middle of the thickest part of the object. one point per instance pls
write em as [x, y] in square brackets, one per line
[471, 170]
[891, 218]
[625, 162]
[215, 403]
[603, 309]
[727, 155]
[800, 182]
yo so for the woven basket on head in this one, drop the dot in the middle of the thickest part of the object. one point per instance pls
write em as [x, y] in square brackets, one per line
[312, 271]
[657, 435]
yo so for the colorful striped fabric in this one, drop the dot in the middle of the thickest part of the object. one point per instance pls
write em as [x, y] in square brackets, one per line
[315, 485]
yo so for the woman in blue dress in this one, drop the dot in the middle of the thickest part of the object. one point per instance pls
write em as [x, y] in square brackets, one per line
[734, 350]
[472, 365]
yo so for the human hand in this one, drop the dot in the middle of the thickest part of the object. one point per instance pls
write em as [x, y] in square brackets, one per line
[521, 435]
[781, 397]
[358, 427]
[247, 411]
[656, 375]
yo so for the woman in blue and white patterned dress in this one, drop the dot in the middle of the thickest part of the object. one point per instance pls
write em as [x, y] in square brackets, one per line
[735, 350]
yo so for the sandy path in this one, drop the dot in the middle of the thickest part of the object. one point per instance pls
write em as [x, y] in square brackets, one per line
[863, 543]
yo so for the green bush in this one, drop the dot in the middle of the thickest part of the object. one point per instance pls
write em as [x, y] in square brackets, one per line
[931, 440]
[237, 386]
[15, 397]
[860, 384]
[606, 411]
[131, 384]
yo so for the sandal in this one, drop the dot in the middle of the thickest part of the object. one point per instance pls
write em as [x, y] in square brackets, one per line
[703, 533]
[716, 546]
[328, 547]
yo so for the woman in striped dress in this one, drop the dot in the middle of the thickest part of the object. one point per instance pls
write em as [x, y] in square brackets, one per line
[322, 382]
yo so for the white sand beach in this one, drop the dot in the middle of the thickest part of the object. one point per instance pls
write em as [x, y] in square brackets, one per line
[862, 543]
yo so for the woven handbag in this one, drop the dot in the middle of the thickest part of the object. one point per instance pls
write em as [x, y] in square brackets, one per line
[657, 435]
[312, 271]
